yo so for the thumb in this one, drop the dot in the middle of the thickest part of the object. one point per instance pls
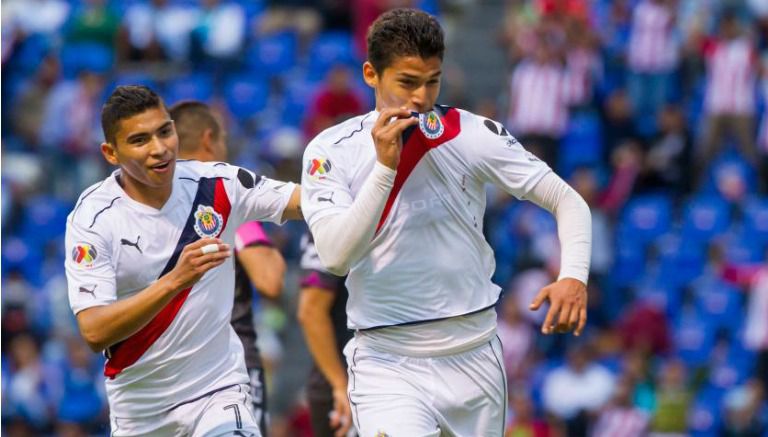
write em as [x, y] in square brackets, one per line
[539, 299]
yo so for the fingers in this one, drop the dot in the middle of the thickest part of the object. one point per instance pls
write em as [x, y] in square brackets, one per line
[554, 309]
[562, 321]
[386, 116]
[539, 299]
[573, 318]
[582, 321]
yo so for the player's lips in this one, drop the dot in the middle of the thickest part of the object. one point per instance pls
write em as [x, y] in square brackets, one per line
[161, 167]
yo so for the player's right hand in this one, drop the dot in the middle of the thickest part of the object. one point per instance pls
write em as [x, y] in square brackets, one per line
[387, 134]
[193, 263]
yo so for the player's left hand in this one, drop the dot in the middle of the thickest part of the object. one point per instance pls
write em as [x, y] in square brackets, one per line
[567, 306]
[341, 416]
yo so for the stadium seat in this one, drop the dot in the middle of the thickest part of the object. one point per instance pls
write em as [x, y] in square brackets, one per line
[77, 57]
[246, 96]
[299, 91]
[756, 218]
[646, 217]
[720, 303]
[329, 49]
[582, 144]
[29, 54]
[273, 55]
[742, 247]
[705, 217]
[44, 219]
[190, 87]
[680, 261]
[705, 416]
[693, 336]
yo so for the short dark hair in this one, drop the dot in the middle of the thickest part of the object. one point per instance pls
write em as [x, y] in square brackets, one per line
[191, 118]
[125, 102]
[403, 32]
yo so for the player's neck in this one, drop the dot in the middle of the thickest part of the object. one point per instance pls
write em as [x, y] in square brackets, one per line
[154, 197]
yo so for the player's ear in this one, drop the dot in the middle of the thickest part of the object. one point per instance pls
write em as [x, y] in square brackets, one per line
[369, 75]
[206, 141]
[110, 153]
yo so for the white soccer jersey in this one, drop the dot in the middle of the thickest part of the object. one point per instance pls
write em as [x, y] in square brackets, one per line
[118, 246]
[429, 259]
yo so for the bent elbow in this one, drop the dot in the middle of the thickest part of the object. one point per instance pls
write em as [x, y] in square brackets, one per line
[95, 343]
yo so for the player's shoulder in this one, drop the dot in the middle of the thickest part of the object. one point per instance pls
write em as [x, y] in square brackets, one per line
[95, 202]
[343, 134]
[476, 124]
[194, 169]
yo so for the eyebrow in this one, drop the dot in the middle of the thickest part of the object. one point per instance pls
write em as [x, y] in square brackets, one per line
[136, 135]
[411, 76]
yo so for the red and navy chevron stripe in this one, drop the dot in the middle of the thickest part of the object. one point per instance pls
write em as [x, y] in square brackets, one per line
[128, 351]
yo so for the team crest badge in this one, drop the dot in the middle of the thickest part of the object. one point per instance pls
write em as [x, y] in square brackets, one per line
[318, 168]
[84, 254]
[208, 222]
[431, 125]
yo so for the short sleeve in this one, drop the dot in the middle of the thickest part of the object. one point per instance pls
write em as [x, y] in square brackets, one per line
[498, 158]
[258, 197]
[325, 188]
[89, 268]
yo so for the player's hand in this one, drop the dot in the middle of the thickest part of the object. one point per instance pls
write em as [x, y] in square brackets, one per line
[193, 263]
[387, 134]
[567, 306]
[341, 416]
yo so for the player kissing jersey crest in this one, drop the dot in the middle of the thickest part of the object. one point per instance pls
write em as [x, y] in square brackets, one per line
[208, 222]
[431, 125]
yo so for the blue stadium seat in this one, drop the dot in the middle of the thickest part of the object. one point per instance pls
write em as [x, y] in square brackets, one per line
[705, 415]
[133, 78]
[29, 54]
[190, 87]
[693, 336]
[744, 248]
[583, 142]
[273, 55]
[44, 220]
[705, 217]
[629, 265]
[680, 260]
[646, 217]
[756, 218]
[329, 49]
[298, 94]
[77, 57]
[246, 96]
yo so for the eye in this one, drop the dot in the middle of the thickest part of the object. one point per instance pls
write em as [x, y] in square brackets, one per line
[138, 140]
[166, 131]
[407, 83]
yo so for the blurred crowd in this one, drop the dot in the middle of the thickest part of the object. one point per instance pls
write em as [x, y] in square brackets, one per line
[653, 110]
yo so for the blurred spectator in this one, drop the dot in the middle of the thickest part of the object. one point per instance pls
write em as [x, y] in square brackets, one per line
[156, 31]
[337, 100]
[540, 96]
[651, 59]
[219, 35]
[35, 16]
[94, 21]
[29, 391]
[756, 328]
[644, 328]
[742, 411]
[627, 162]
[28, 112]
[524, 422]
[673, 399]
[576, 389]
[729, 105]
[299, 16]
[516, 336]
[618, 123]
[667, 162]
[620, 417]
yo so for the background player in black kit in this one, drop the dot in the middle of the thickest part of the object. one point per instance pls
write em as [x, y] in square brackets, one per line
[202, 137]
[323, 318]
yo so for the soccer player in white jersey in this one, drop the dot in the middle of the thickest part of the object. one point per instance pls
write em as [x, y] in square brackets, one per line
[151, 277]
[395, 198]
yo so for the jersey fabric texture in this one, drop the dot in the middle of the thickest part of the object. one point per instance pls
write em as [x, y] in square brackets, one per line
[428, 259]
[117, 247]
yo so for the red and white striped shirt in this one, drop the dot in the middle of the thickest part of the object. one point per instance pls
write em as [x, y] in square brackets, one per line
[621, 421]
[539, 100]
[731, 78]
[652, 45]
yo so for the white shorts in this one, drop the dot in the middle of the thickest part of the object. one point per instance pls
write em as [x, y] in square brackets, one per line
[226, 412]
[454, 395]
